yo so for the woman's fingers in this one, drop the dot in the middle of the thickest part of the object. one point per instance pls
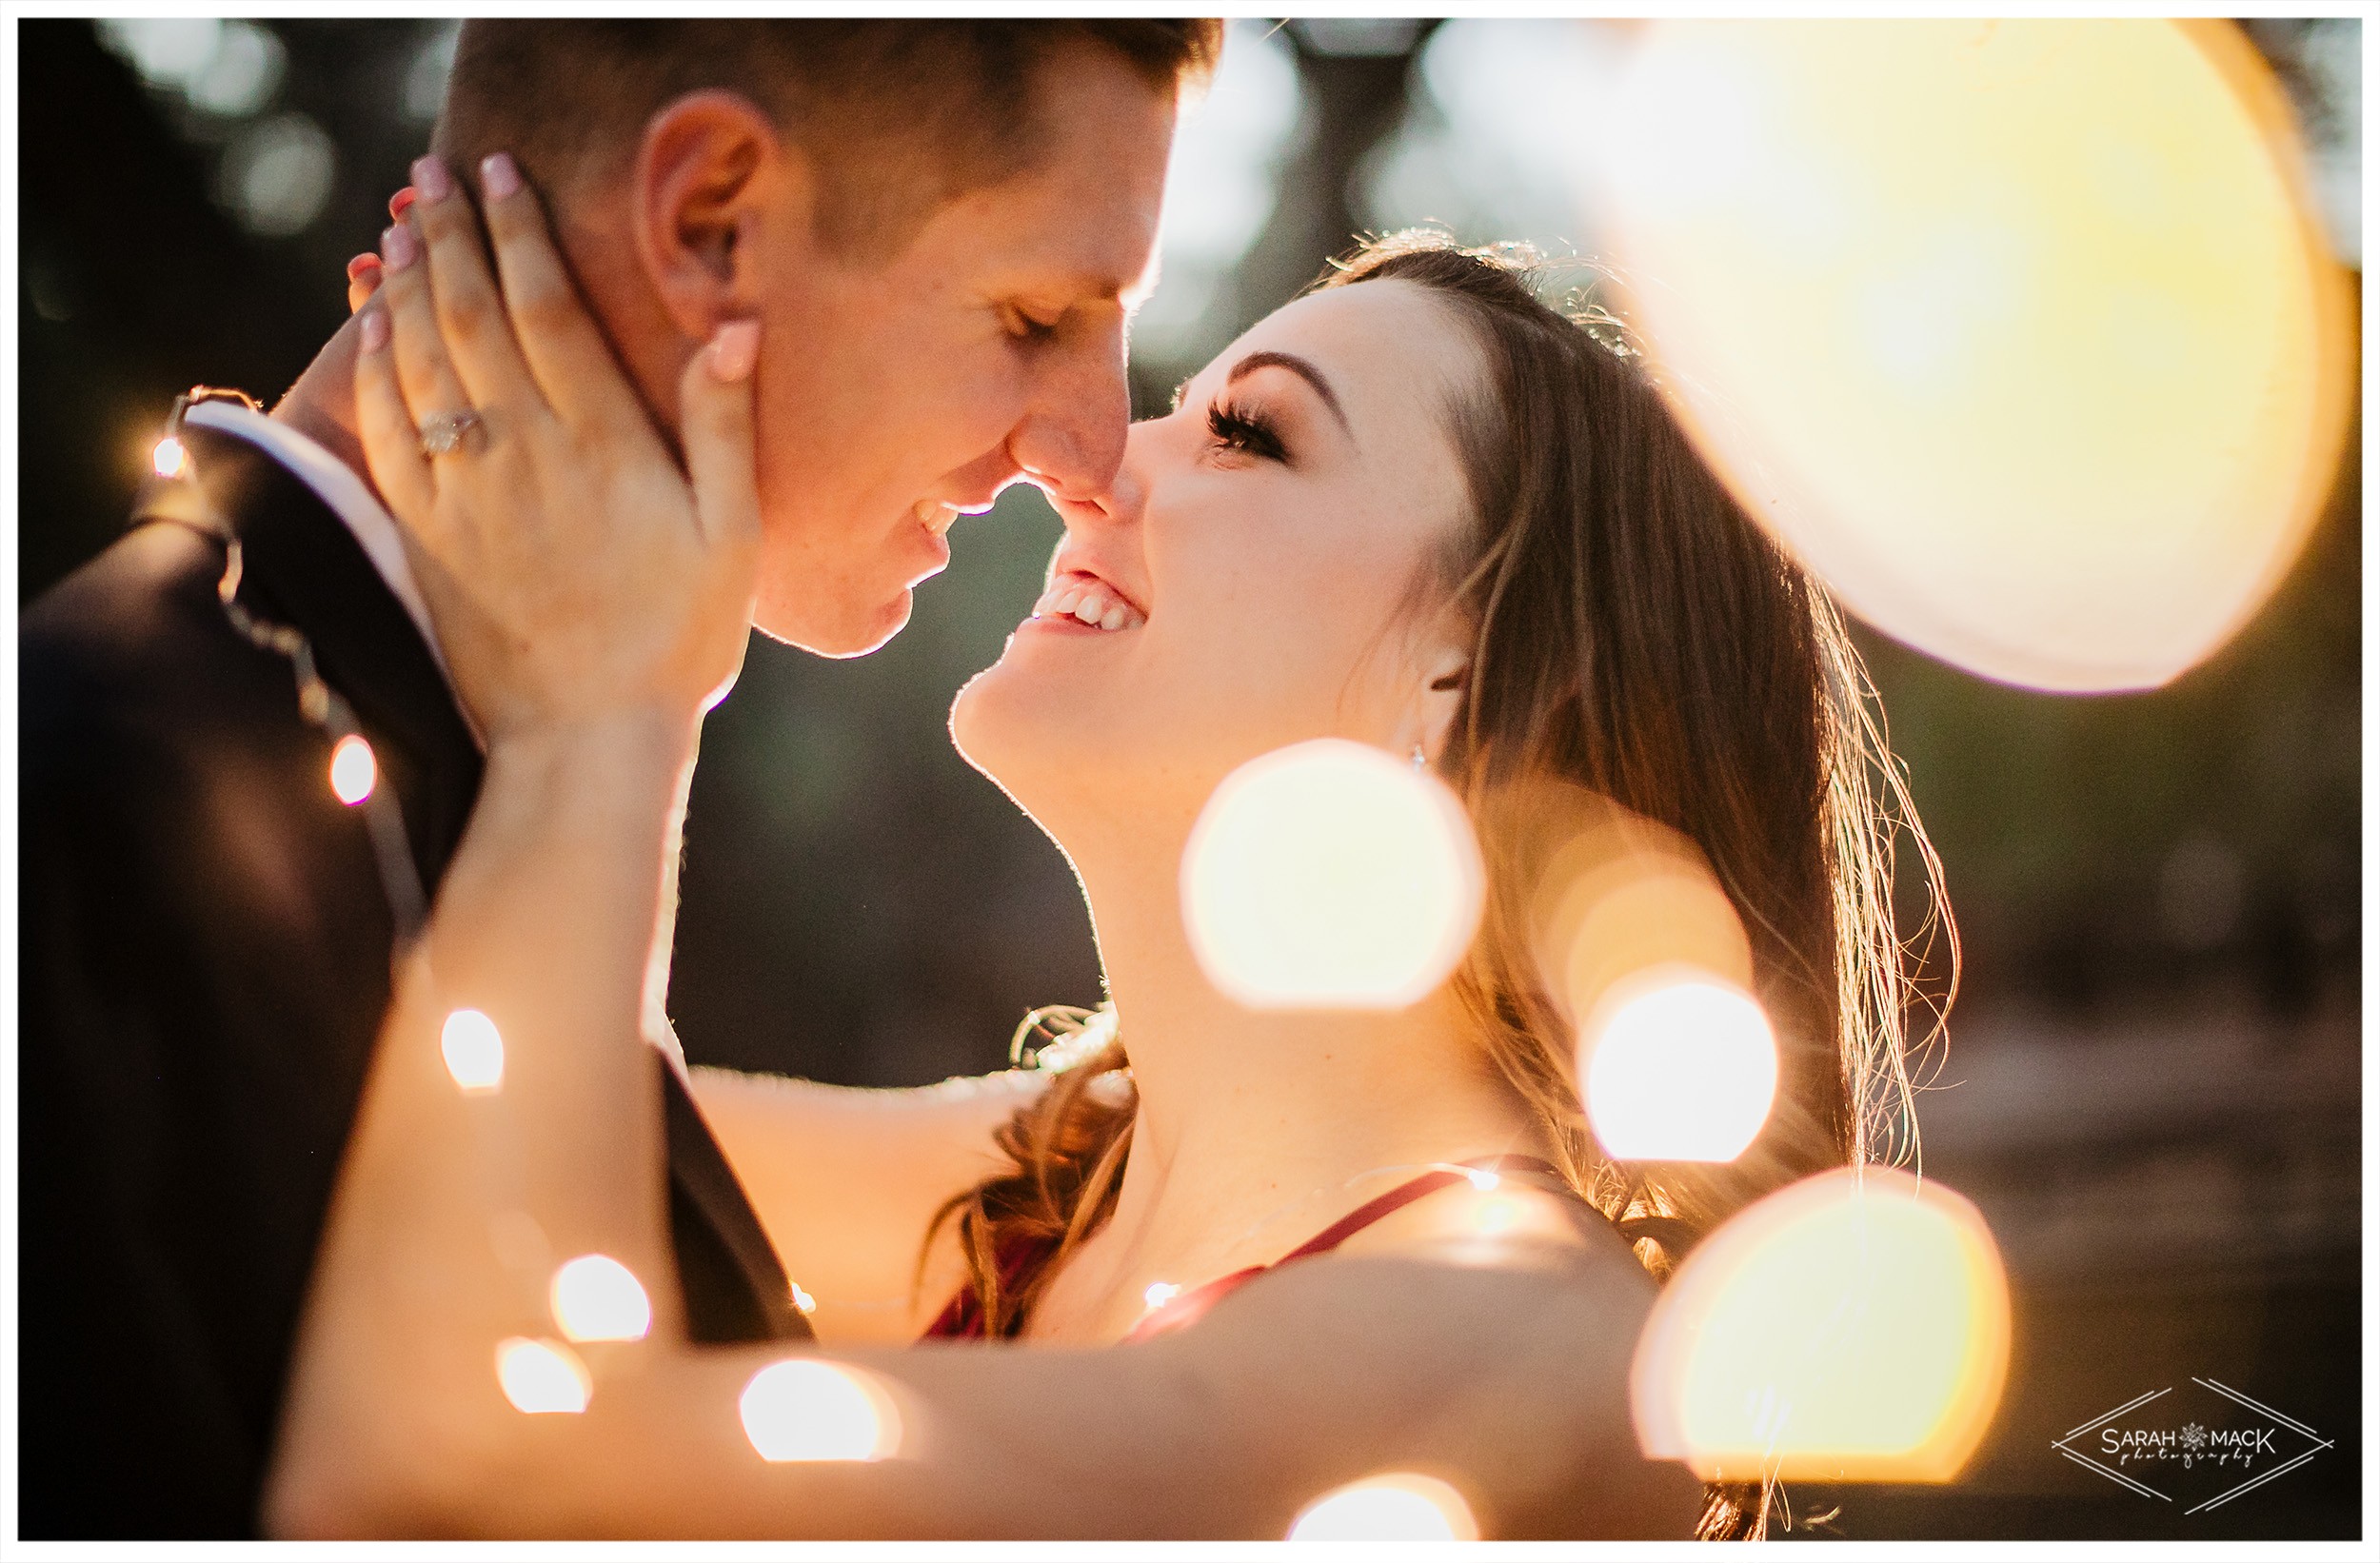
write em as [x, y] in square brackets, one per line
[462, 295]
[568, 354]
[363, 281]
[715, 420]
[429, 379]
[391, 444]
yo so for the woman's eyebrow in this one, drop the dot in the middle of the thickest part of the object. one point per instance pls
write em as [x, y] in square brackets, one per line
[1299, 367]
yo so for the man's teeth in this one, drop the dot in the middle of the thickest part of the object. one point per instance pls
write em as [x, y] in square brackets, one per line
[1087, 603]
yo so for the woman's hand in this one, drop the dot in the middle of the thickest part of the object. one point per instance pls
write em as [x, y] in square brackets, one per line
[575, 574]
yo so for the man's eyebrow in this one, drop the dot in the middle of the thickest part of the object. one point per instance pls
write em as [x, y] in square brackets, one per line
[1299, 367]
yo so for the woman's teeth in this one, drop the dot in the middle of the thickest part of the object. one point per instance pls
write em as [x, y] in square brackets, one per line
[1087, 603]
[936, 518]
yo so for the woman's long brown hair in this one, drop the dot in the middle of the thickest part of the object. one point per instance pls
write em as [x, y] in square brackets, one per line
[1634, 635]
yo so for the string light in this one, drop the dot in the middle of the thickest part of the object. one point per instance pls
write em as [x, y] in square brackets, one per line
[2021, 332]
[542, 1377]
[596, 1298]
[352, 770]
[802, 1300]
[474, 1051]
[1328, 874]
[1852, 1327]
[806, 1409]
[1398, 1506]
[168, 459]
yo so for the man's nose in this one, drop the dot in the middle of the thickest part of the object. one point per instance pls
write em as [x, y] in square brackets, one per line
[1071, 440]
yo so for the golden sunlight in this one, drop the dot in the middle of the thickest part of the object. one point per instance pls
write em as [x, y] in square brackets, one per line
[1852, 1327]
[1397, 1505]
[1329, 875]
[542, 1377]
[2021, 332]
[596, 1298]
[474, 1051]
[803, 1409]
[353, 771]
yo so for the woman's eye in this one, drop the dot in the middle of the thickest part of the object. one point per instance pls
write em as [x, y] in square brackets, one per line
[1242, 429]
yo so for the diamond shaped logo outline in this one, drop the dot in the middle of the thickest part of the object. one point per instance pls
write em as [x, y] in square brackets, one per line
[2316, 1442]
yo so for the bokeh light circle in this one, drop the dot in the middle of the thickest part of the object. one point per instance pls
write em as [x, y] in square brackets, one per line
[353, 770]
[596, 1298]
[1678, 1066]
[2020, 332]
[1850, 1327]
[1330, 875]
[474, 1051]
[1398, 1506]
[542, 1377]
[803, 1409]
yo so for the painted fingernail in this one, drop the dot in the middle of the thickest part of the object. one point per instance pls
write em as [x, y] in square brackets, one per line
[735, 346]
[402, 199]
[398, 247]
[361, 265]
[375, 330]
[431, 179]
[499, 175]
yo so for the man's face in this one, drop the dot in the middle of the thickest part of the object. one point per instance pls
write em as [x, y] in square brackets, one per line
[897, 390]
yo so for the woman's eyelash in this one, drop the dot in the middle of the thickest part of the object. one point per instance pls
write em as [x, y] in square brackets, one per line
[1246, 429]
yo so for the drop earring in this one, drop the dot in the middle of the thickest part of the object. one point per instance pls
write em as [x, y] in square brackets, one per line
[1420, 760]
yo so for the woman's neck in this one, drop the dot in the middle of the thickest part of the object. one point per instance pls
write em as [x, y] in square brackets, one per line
[1255, 1129]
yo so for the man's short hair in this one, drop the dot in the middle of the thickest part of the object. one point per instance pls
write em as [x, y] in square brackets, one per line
[900, 116]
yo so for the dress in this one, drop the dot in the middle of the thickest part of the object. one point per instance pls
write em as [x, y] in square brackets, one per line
[962, 1317]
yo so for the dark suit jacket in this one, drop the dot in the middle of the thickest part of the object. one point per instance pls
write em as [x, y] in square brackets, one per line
[204, 960]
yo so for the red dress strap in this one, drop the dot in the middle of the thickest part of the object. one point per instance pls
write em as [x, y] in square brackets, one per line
[1188, 1306]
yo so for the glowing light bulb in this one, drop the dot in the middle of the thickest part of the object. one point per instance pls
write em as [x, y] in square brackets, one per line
[596, 1298]
[807, 1410]
[1330, 876]
[1159, 1294]
[168, 459]
[353, 770]
[1679, 1067]
[474, 1051]
[1396, 1507]
[542, 1377]
[2020, 332]
[1852, 1327]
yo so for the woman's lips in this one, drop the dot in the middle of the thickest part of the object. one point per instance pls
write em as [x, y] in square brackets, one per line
[1088, 600]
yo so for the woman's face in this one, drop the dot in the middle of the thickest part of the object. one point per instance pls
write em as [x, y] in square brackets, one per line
[1251, 571]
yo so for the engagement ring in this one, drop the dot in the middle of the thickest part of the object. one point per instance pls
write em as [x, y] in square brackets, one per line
[443, 432]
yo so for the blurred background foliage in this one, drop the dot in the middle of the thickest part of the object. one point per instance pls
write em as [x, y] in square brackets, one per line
[2157, 1083]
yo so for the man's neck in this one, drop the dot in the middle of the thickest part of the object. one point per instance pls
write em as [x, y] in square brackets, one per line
[322, 405]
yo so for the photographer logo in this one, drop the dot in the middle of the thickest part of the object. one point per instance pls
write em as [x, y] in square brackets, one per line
[2201, 1444]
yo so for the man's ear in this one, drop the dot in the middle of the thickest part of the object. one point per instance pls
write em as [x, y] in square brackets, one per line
[711, 173]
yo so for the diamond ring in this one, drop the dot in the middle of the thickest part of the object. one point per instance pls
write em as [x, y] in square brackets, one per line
[443, 432]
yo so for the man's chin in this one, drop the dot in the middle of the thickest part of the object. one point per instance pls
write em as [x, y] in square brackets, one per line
[835, 630]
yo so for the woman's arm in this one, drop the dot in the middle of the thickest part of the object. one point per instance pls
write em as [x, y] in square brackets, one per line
[846, 1182]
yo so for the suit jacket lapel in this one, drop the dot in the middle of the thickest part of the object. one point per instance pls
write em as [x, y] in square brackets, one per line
[302, 564]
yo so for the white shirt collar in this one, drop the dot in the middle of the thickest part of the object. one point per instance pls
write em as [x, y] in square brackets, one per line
[335, 484]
